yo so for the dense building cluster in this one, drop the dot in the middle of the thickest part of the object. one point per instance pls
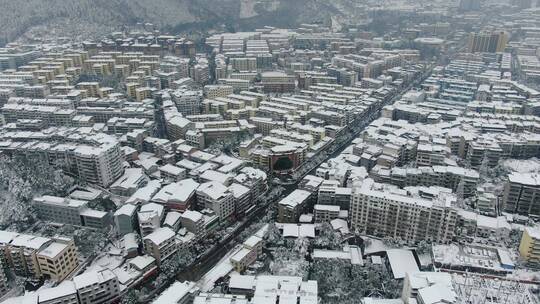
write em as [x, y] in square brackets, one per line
[391, 156]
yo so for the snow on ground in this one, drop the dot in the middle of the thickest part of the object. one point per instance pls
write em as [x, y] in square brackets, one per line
[374, 245]
[522, 165]
[525, 274]
[222, 268]
[106, 261]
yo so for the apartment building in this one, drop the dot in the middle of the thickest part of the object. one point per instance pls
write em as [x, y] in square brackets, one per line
[325, 213]
[488, 41]
[442, 176]
[247, 254]
[31, 256]
[277, 82]
[194, 222]
[59, 209]
[150, 217]
[217, 197]
[331, 194]
[58, 259]
[160, 244]
[177, 196]
[387, 212]
[529, 247]
[214, 91]
[188, 102]
[291, 206]
[50, 115]
[125, 219]
[99, 165]
[522, 194]
[97, 287]
[65, 293]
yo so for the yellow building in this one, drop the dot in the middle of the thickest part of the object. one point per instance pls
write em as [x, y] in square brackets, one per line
[529, 248]
[58, 259]
[489, 42]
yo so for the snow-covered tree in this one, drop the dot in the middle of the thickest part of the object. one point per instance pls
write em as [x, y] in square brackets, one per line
[423, 247]
[274, 237]
[328, 238]
[393, 242]
[131, 297]
[288, 262]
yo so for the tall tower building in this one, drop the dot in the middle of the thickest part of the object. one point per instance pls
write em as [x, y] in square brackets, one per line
[488, 42]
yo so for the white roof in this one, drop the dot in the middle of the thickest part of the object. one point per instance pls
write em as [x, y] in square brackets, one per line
[53, 250]
[179, 191]
[175, 293]
[194, 216]
[214, 190]
[130, 179]
[28, 298]
[93, 277]
[242, 281]
[252, 241]
[152, 208]
[238, 190]
[290, 230]
[295, 198]
[130, 241]
[171, 218]
[333, 208]
[211, 175]
[240, 254]
[142, 261]
[171, 169]
[340, 225]
[93, 213]
[145, 193]
[7, 236]
[29, 241]
[533, 232]
[437, 293]
[401, 262]
[65, 288]
[307, 230]
[160, 235]
[127, 209]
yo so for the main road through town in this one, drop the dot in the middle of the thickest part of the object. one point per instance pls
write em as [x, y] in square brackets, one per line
[209, 259]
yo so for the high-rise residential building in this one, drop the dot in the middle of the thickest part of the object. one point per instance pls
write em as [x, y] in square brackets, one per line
[277, 82]
[529, 247]
[522, 194]
[381, 210]
[99, 165]
[488, 41]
